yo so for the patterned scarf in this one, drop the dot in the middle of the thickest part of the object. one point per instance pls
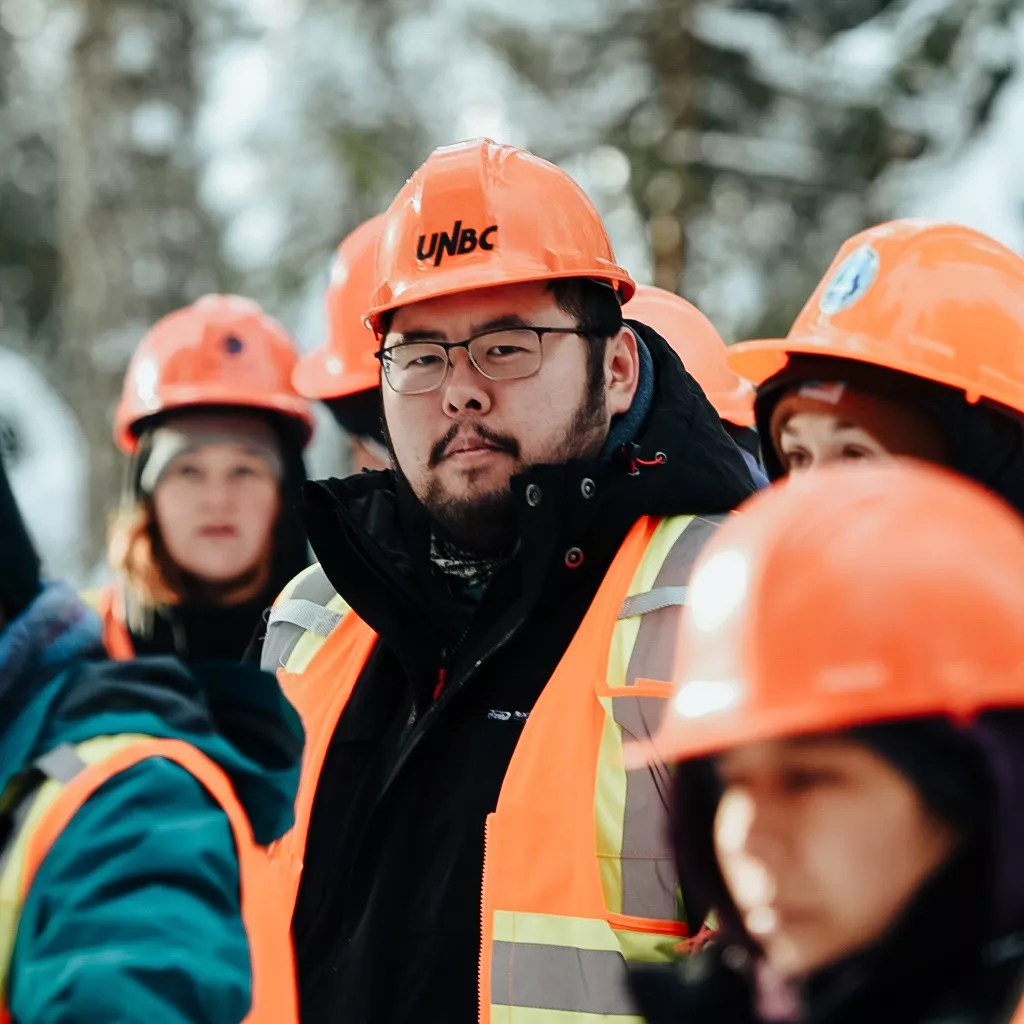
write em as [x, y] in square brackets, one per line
[466, 568]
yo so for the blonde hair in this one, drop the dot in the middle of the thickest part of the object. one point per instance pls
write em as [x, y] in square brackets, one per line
[136, 554]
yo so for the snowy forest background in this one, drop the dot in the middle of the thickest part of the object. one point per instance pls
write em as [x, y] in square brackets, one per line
[155, 150]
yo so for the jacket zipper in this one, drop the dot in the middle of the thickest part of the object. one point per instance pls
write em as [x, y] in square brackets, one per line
[446, 695]
[483, 1012]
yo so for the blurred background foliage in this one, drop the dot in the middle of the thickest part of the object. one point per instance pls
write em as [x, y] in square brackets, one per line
[154, 150]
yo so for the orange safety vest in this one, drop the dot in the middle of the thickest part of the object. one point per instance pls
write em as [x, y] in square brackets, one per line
[108, 603]
[578, 871]
[75, 774]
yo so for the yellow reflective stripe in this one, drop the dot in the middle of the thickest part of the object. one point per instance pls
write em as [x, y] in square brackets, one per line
[12, 898]
[532, 1015]
[309, 644]
[610, 788]
[582, 933]
[626, 630]
[553, 930]
[647, 947]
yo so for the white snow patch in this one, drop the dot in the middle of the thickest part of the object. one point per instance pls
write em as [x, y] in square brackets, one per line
[135, 50]
[22, 18]
[156, 127]
[255, 234]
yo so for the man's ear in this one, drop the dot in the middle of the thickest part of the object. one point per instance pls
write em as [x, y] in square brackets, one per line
[621, 371]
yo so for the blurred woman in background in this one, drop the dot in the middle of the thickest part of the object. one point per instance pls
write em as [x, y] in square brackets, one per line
[208, 532]
[912, 344]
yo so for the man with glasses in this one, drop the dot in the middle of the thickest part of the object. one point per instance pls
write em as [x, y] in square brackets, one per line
[471, 650]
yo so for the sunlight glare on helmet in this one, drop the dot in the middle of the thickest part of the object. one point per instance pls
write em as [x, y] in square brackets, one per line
[717, 589]
[701, 697]
[147, 376]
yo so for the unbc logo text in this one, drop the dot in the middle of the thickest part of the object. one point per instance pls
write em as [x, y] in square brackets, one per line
[458, 242]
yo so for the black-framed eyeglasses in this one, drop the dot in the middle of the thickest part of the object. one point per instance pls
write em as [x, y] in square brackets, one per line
[504, 353]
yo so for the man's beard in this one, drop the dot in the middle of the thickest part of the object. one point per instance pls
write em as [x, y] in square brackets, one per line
[486, 523]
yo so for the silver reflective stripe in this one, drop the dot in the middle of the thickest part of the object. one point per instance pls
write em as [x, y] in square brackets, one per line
[313, 618]
[289, 620]
[61, 764]
[559, 978]
[652, 601]
[315, 587]
[649, 880]
[654, 651]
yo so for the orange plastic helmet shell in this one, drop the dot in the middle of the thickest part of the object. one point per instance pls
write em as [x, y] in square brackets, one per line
[221, 350]
[699, 345]
[847, 596]
[346, 364]
[478, 214]
[935, 300]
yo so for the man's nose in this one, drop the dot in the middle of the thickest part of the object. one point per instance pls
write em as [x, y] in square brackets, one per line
[465, 389]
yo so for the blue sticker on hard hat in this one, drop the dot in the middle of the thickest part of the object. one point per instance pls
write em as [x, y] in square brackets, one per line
[849, 283]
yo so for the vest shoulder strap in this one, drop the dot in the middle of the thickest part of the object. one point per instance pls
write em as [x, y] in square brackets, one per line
[108, 603]
[302, 617]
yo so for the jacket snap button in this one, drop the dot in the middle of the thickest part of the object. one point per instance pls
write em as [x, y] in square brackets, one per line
[574, 558]
[588, 488]
[533, 495]
[735, 958]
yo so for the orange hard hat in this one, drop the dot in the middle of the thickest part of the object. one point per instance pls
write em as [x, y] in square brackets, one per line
[476, 215]
[848, 596]
[938, 301]
[346, 363]
[699, 345]
[221, 350]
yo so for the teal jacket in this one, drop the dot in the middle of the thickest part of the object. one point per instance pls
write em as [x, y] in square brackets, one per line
[135, 914]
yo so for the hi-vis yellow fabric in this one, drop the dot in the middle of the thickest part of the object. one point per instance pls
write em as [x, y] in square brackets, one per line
[578, 874]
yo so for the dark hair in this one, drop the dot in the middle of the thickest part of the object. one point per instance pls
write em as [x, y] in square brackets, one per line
[598, 313]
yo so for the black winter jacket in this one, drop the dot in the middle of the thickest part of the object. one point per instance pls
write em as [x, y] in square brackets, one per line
[387, 923]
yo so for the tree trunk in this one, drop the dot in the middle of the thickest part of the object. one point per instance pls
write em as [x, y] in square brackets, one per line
[134, 242]
[674, 65]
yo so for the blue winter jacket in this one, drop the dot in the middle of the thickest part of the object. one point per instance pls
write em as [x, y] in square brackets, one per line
[135, 915]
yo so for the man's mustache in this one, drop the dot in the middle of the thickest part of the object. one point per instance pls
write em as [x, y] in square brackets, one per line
[500, 442]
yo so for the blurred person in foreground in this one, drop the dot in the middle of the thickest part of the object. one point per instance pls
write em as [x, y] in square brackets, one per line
[846, 747]
[912, 344]
[344, 373]
[698, 344]
[555, 474]
[208, 532]
[137, 799]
